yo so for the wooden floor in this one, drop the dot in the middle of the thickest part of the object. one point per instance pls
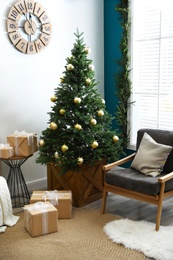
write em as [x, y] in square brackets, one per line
[136, 210]
[133, 209]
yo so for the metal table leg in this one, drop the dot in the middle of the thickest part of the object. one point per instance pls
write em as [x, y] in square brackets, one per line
[17, 186]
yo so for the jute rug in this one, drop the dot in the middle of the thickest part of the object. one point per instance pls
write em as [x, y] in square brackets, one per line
[79, 238]
[141, 236]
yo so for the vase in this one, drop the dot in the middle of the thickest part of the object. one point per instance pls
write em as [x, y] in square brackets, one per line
[86, 183]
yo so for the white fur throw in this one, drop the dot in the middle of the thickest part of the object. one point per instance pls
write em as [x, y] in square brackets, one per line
[6, 212]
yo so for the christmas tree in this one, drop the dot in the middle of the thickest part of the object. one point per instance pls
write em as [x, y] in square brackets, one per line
[79, 128]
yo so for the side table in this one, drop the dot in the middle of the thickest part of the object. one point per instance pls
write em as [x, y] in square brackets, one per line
[16, 183]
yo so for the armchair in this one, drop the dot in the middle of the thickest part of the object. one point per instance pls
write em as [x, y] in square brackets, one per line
[153, 157]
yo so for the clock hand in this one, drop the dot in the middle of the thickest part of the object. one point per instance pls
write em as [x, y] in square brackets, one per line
[30, 22]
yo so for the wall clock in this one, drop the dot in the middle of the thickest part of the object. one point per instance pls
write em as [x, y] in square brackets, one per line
[28, 26]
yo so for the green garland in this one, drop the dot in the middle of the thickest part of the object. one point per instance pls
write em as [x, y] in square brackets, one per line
[122, 79]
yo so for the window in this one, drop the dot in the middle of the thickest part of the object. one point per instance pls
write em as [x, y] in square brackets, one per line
[152, 65]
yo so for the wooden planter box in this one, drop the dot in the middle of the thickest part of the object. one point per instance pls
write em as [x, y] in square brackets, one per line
[86, 184]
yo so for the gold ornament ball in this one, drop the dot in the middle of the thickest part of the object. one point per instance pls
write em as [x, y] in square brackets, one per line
[103, 101]
[115, 138]
[94, 144]
[91, 67]
[78, 127]
[77, 100]
[87, 50]
[93, 121]
[53, 126]
[64, 148]
[41, 142]
[56, 155]
[100, 113]
[62, 111]
[79, 160]
[70, 57]
[62, 80]
[70, 67]
[88, 81]
[53, 98]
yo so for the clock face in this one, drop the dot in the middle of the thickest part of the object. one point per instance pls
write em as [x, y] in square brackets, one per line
[28, 26]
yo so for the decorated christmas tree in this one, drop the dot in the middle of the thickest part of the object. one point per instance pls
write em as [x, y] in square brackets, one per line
[79, 128]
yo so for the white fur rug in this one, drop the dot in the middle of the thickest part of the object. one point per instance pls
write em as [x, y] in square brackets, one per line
[141, 236]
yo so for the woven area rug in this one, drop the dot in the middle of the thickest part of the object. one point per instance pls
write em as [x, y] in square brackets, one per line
[141, 236]
[78, 238]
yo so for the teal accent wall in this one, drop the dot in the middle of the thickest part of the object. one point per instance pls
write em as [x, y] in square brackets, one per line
[112, 36]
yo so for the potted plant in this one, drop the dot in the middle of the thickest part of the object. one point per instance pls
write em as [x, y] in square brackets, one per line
[79, 137]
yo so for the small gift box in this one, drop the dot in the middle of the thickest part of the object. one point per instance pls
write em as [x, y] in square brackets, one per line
[40, 218]
[6, 151]
[24, 143]
[62, 200]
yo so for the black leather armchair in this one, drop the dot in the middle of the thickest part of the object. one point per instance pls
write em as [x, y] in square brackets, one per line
[133, 184]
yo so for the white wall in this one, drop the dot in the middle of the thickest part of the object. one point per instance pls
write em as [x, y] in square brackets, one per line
[28, 81]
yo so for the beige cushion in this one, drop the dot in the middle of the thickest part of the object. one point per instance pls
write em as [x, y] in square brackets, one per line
[151, 156]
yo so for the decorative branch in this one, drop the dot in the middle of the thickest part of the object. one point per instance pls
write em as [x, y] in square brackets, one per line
[122, 79]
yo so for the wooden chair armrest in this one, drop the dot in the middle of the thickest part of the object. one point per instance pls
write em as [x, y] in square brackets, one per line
[119, 162]
[166, 177]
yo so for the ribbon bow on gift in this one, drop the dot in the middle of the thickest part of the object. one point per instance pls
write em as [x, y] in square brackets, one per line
[52, 196]
[23, 133]
[4, 146]
[8, 147]
[39, 206]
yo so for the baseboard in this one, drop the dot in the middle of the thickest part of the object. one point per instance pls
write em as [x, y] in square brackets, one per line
[40, 184]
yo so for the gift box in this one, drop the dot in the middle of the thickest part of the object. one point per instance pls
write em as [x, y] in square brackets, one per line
[6, 151]
[62, 200]
[40, 218]
[24, 143]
